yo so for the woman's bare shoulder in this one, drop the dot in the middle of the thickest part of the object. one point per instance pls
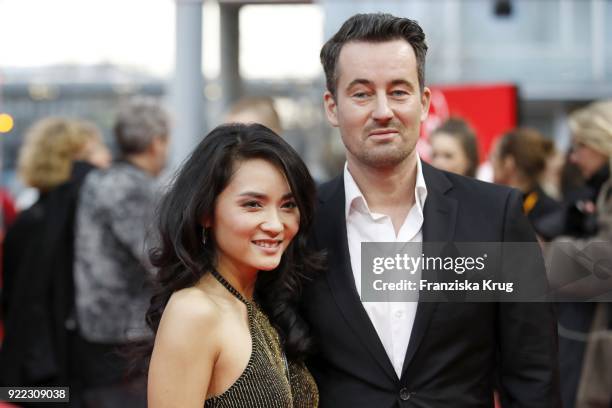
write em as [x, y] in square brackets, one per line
[191, 309]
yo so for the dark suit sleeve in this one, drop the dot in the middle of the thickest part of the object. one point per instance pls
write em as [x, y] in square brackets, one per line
[528, 364]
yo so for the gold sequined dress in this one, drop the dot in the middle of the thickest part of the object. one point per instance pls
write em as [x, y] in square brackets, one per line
[268, 381]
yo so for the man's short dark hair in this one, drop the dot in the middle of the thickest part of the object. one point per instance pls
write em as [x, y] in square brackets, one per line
[375, 27]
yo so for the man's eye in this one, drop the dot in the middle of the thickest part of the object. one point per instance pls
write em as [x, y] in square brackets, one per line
[360, 95]
[399, 93]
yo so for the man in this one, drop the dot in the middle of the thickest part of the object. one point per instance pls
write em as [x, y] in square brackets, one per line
[409, 354]
[111, 265]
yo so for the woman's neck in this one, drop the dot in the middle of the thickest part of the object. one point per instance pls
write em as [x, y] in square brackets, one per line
[522, 183]
[242, 280]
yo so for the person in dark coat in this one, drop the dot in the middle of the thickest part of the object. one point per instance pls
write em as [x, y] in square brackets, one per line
[39, 302]
[589, 221]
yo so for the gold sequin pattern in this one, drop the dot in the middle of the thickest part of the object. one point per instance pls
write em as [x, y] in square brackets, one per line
[264, 382]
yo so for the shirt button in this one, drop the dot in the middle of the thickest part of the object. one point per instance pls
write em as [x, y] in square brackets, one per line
[399, 314]
[404, 394]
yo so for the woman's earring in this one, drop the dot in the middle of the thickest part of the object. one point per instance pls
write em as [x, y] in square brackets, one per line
[203, 235]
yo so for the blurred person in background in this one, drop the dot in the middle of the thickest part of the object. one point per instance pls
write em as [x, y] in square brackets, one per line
[589, 158]
[551, 179]
[454, 148]
[38, 296]
[111, 268]
[46, 159]
[259, 109]
[94, 152]
[563, 181]
[570, 178]
[586, 363]
[519, 159]
[8, 212]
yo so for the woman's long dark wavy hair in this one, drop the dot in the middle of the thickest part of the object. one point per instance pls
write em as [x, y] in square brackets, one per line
[182, 259]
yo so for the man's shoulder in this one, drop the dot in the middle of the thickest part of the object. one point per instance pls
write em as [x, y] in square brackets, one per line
[123, 171]
[466, 187]
[119, 183]
[120, 176]
[468, 184]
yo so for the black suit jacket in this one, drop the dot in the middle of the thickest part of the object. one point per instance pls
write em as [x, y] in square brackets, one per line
[458, 352]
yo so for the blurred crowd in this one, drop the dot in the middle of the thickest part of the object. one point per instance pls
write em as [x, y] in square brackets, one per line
[76, 280]
[76, 277]
[567, 197]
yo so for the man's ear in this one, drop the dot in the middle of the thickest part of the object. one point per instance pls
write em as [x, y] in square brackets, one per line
[331, 108]
[425, 101]
[155, 145]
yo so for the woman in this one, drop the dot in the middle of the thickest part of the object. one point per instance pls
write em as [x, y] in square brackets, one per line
[589, 158]
[583, 361]
[38, 294]
[519, 160]
[232, 253]
[454, 148]
[47, 159]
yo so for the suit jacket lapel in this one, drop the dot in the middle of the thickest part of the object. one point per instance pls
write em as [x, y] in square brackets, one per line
[440, 214]
[330, 232]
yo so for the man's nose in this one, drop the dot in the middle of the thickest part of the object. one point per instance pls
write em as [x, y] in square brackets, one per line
[382, 111]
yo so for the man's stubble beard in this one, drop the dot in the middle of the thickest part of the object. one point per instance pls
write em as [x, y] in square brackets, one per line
[389, 156]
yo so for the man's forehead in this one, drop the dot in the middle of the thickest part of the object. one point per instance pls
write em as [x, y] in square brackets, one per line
[358, 58]
[375, 45]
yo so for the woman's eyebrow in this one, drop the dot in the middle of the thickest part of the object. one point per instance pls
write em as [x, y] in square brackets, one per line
[252, 194]
[262, 196]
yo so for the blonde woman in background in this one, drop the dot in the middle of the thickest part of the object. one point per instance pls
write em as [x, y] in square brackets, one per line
[585, 329]
[37, 290]
[50, 147]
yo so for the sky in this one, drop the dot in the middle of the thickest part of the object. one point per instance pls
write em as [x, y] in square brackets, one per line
[140, 34]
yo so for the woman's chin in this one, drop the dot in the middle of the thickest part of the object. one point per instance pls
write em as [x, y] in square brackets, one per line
[268, 266]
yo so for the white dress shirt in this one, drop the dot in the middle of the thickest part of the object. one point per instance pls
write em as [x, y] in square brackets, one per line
[393, 321]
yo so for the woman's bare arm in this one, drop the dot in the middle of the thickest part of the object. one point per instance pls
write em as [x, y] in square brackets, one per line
[185, 352]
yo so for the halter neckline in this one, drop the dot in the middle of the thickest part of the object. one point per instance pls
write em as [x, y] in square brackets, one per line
[229, 286]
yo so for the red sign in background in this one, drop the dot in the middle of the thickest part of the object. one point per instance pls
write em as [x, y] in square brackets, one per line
[490, 109]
